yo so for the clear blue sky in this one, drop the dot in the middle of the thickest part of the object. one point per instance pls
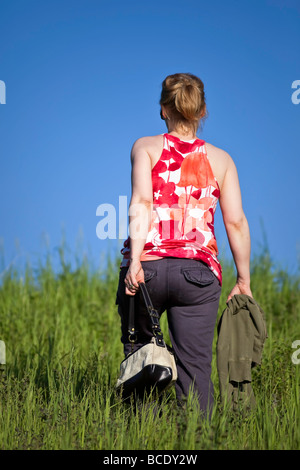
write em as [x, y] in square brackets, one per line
[83, 79]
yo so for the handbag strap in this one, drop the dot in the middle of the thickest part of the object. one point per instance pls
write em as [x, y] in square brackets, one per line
[157, 333]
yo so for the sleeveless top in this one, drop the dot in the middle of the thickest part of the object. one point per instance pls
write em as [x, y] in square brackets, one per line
[185, 197]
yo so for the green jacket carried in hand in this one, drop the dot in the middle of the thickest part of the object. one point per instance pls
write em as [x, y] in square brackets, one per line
[241, 336]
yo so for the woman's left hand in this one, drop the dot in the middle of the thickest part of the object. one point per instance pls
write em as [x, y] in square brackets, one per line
[240, 288]
[135, 274]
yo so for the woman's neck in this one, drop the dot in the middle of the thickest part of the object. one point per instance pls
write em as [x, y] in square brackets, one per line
[183, 133]
[190, 135]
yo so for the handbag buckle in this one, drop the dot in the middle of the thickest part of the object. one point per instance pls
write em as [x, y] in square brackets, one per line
[132, 337]
[154, 316]
[159, 337]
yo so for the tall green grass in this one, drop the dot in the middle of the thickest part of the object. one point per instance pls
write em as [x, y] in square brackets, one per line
[62, 336]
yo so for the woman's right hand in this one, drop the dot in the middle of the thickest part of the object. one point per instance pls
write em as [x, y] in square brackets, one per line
[134, 275]
[240, 288]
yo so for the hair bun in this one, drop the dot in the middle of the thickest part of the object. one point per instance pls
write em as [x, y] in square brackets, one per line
[183, 96]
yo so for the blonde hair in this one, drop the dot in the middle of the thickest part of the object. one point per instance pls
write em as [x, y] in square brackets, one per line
[183, 97]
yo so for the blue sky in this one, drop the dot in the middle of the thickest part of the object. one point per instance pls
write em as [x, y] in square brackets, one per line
[83, 80]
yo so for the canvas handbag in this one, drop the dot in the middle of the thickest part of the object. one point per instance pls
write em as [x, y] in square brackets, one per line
[152, 367]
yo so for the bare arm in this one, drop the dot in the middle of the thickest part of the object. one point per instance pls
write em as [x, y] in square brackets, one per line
[140, 210]
[237, 229]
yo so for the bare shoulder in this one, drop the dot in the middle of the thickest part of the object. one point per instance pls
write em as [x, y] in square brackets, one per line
[220, 161]
[148, 143]
[218, 154]
[150, 146]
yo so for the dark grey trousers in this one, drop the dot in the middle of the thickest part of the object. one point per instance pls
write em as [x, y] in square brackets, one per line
[189, 292]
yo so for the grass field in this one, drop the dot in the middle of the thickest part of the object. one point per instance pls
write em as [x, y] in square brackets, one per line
[62, 337]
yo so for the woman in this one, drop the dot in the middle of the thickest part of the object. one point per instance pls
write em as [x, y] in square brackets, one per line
[177, 181]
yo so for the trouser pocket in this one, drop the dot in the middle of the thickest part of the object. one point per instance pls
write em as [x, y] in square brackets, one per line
[199, 285]
[201, 277]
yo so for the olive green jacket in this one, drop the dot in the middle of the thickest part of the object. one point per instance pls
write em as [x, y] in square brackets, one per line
[241, 336]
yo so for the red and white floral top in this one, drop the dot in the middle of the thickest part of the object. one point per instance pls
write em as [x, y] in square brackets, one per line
[185, 197]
